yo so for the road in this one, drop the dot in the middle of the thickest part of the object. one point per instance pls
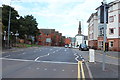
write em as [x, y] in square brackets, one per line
[41, 62]
[55, 62]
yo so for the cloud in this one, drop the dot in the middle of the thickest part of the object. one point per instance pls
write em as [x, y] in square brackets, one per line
[63, 15]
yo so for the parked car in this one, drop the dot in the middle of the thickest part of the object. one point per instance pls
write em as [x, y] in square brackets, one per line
[69, 46]
[66, 46]
[83, 47]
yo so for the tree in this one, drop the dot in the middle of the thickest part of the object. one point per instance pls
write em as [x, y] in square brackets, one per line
[5, 18]
[31, 24]
[28, 26]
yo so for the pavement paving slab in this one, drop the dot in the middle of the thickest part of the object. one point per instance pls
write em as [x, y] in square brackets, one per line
[111, 71]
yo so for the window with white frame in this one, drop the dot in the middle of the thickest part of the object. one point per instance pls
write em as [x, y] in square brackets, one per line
[119, 31]
[119, 18]
[111, 19]
[111, 43]
[101, 31]
[111, 30]
[100, 44]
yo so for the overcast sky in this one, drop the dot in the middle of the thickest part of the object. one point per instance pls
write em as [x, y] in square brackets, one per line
[62, 15]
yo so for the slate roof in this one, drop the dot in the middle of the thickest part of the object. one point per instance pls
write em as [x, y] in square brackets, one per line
[47, 31]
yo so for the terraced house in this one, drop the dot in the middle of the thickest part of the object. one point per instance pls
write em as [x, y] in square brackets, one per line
[95, 28]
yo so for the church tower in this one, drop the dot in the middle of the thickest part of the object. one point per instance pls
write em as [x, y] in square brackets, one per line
[79, 29]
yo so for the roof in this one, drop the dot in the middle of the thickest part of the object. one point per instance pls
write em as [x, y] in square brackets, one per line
[91, 17]
[111, 3]
[79, 35]
[47, 31]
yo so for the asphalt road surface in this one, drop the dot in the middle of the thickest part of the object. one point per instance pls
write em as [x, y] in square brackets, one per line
[41, 62]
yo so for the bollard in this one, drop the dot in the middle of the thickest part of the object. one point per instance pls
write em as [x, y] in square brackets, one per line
[91, 55]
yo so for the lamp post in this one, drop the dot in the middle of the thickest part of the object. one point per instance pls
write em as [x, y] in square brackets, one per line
[8, 42]
[105, 39]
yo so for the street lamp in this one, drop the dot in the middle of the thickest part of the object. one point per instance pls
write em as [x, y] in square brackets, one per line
[8, 42]
[9, 27]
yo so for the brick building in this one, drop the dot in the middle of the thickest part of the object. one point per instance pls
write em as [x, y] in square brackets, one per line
[50, 37]
[113, 27]
[67, 41]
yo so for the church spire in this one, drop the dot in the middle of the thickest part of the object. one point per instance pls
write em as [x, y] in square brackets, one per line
[79, 29]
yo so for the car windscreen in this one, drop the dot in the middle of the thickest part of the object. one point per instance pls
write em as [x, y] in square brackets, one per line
[83, 45]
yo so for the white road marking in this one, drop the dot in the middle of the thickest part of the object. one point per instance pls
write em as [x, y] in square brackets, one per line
[37, 68]
[45, 69]
[54, 52]
[76, 57]
[34, 51]
[29, 67]
[37, 58]
[54, 69]
[72, 70]
[14, 51]
[7, 56]
[3, 52]
[48, 54]
[44, 55]
[54, 62]
[23, 53]
[89, 71]
[63, 70]
[21, 50]
[65, 50]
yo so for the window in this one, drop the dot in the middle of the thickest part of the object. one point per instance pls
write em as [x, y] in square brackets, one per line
[119, 31]
[111, 43]
[111, 19]
[100, 44]
[101, 33]
[111, 31]
[119, 18]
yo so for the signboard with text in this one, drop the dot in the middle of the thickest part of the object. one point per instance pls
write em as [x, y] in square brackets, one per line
[48, 40]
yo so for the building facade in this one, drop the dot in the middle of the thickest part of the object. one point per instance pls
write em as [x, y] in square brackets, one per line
[93, 30]
[112, 31]
[50, 37]
[80, 38]
[113, 27]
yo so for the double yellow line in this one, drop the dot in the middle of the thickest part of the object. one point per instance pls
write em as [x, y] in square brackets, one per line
[81, 74]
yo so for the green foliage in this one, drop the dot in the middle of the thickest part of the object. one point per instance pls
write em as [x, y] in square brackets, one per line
[5, 17]
[27, 45]
[26, 25]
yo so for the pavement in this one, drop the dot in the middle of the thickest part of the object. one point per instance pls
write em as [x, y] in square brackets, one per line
[113, 54]
[95, 68]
